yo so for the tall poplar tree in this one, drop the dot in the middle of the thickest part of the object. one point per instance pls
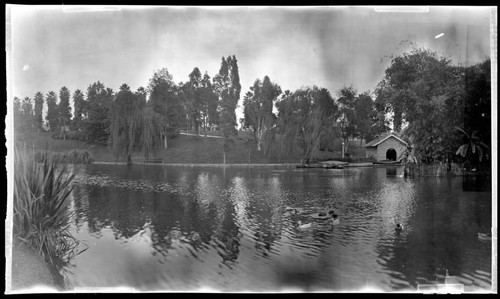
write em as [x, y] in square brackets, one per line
[228, 88]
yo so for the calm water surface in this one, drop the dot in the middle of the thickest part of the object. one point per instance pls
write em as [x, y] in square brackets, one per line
[228, 229]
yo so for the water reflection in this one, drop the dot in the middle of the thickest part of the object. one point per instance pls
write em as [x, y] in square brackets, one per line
[476, 183]
[181, 228]
[440, 235]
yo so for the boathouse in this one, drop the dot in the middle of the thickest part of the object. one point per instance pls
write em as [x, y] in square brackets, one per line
[386, 147]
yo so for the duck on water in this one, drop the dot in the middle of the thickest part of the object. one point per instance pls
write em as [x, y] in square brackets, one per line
[323, 215]
[331, 215]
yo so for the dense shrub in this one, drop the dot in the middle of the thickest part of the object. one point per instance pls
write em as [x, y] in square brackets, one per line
[433, 170]
[41, 206]
[75, 135]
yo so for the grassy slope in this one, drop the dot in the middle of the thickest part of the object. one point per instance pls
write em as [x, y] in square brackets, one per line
[186, 149]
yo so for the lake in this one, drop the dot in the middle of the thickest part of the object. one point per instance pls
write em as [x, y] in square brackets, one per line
[231, 229]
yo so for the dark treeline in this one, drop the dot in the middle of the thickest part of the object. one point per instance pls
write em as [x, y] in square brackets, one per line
[141, 120]
[441, 110]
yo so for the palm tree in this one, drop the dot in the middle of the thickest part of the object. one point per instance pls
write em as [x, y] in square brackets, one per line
[473, 150]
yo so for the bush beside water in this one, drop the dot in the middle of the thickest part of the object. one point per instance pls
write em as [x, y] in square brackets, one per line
[41, 206]
[434, 170]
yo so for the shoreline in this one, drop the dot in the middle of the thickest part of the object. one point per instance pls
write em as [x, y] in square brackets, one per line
[30, 273]
[203, 164]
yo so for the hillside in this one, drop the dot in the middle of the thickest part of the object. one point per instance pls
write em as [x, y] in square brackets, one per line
[186, 149]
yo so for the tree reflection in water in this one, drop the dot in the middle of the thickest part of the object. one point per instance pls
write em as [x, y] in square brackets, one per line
[231, 225]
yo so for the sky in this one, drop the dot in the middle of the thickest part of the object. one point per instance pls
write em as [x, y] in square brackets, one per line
[49, 47]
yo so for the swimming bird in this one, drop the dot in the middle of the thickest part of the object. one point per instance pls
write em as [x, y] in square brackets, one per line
[484, 236]
[304, 226]
[399, 227]
[335, 219]
[323, 215]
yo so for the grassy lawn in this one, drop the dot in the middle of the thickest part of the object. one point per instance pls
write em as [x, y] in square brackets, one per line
[354, 148]
[44, 141]
[188, 149]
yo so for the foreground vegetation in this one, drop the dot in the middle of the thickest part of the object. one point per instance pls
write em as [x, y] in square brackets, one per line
[41, 206]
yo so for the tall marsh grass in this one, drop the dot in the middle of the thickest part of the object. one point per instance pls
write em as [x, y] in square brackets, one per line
[72, 157]
[41, 206]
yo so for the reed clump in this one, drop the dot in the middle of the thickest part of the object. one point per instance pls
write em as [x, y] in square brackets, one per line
[72, 157]
[42, 216]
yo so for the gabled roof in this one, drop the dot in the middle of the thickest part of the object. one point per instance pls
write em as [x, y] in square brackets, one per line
[381, 139]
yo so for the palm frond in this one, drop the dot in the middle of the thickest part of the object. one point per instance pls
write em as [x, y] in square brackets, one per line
[462, 131]
[462, 150]
[480, 153]
[484, 145]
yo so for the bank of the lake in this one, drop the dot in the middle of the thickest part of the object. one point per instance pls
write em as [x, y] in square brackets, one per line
[187, 149]
[29, 270]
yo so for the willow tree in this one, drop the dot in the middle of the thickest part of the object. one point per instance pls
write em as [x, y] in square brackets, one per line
[303, 117]
[124, 116]
[322, 110]
[150, 130]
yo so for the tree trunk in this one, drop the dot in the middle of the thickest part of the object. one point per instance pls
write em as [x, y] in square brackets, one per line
[258, 136]
[165, 144]
[129, 159]
[205, 128]
[197, 126]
